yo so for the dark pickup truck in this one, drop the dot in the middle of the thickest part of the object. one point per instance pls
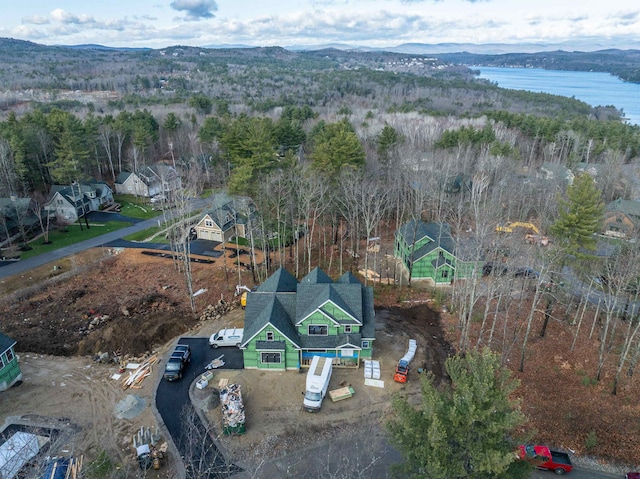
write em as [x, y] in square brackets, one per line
[174, 368]
[544, 458]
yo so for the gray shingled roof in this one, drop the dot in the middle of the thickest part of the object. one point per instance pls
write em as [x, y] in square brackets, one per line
[275, 309]
[316, 276]
[279, 282]
[282, 302]
[439, 235]
[122, 177]
[628, 207]
[271, 345]
[5, 343]
[348, 277]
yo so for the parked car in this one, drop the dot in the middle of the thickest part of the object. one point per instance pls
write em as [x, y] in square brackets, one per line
[525, 273]
[495, 269]
[632, 475]
[158, 199]
[542, 457]
[184, 350]
[176, 363]
[226, 337]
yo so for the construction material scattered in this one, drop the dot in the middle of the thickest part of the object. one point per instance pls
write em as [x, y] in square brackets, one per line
[233, 419]
[216, 363]
[342, 393]
[371, 369]
[376, 383]
[145, 443]
[135, 378]
[222, 383]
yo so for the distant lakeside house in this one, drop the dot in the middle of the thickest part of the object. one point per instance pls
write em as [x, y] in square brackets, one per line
[428, 251]
[10, 372]
[288, 322]
[150, 181]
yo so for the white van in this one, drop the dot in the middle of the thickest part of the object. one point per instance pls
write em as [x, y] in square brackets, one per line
[226, 337]
[317, 382]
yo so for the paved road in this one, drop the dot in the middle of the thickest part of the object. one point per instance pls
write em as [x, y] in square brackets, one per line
[16, 267]
[112, 239]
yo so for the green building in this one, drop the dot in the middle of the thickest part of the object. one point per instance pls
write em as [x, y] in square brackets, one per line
[288, 322]
[9, 368]
[433, 252]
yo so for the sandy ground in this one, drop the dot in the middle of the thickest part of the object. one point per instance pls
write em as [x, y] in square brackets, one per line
[80, 394]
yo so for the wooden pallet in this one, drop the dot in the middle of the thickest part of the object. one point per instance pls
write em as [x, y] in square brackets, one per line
[342, 393]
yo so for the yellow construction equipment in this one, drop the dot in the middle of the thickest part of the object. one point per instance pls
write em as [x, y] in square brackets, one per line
[535, 238]
[509, 227]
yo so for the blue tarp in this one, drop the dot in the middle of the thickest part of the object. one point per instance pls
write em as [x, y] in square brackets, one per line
[60, 465]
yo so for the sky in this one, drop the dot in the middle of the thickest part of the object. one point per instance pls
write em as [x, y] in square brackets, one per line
[372, 23]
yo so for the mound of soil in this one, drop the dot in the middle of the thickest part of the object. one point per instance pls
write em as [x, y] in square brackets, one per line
[128, 303]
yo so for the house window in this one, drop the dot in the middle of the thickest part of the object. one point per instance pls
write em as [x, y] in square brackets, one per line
[9, 356]
[347, 329]
[445, 273]
[270, 357]
[364, 344]
[269, 335]
[1, 362]
[208, 223]
[318, 330]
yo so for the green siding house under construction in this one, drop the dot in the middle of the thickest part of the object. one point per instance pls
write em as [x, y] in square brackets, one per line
[428, 251]
[9, 368]
[287, 322]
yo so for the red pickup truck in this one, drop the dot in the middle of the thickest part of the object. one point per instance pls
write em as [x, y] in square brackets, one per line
[544, 458]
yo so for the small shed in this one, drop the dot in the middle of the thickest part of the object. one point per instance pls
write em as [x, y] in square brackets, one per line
[9, 368]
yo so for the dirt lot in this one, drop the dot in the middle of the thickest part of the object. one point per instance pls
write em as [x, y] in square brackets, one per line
[137, 304]
[134, 304]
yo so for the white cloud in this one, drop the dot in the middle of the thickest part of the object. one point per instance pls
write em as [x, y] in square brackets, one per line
[36, 20]
[196, 9]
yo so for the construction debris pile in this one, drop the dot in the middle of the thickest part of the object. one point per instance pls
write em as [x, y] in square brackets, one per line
[233, 420]
[145, 445]
[217, 311]
[63, 468]
[135, 378]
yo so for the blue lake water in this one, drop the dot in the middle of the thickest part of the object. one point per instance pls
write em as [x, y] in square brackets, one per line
[594, 88]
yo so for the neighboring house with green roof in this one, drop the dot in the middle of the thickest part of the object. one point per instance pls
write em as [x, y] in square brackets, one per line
[429, 251]
[288, 322]
[227, 217]
[622, 219]
[9, 368]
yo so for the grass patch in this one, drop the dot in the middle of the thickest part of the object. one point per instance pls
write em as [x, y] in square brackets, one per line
[135, 207]
[73, 235]
[150, 234]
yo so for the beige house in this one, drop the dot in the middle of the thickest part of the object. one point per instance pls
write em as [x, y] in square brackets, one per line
[228, 217]
[150, 181]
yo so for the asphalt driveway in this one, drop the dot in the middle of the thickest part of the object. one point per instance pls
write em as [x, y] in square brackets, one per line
[174, 405]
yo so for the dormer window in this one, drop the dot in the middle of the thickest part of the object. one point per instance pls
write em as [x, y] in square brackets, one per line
[347, 329]
[270, 336]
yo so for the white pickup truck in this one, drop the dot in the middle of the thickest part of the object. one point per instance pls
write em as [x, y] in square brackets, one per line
[226, 337]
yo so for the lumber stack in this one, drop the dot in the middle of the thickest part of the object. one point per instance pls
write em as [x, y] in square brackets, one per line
[135, 378]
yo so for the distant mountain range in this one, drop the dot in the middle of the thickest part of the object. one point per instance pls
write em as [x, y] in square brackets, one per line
[437, 48]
